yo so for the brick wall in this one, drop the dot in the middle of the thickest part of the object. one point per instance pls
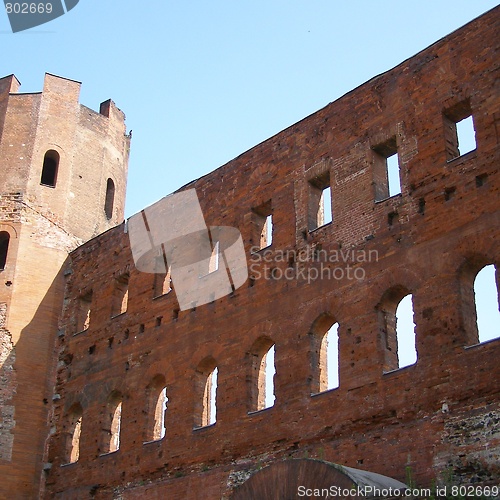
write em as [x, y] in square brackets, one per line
[430, 240]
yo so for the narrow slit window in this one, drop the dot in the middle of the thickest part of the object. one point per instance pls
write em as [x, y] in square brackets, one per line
[110, 198]
[4, 248]
[49, 169]
[486, 300]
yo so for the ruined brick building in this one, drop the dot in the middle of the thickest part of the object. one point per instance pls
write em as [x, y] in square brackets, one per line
[63, 179]
[127, 395]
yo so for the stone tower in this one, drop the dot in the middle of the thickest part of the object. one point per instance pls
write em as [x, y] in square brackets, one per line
[62, 182]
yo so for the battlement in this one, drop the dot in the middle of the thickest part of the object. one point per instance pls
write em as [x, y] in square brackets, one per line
[48, 126]
[66, 88]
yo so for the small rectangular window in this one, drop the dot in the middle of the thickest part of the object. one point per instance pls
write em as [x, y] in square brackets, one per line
[320, 202]
[262, 226]
[386, 170]
[459, 130]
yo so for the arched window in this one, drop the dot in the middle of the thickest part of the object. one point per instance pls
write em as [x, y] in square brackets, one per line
[162, 277]
[324, 354]
[162, 283]
[405, 332]
[262, 371]
[156, 408]
[486, 301]
[83, 315]
[120, 295]
[160, 409]
[4, 248]
[397, 329]
[110, 433]
[49, 169]
[205, 412]
[74, 429]
[270, 371]
[110, 198]
[480, 317]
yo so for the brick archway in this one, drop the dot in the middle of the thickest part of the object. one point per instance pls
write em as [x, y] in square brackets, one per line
[304, 477]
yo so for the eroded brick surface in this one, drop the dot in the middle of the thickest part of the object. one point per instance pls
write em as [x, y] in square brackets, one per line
[7, 388]
[473, 440]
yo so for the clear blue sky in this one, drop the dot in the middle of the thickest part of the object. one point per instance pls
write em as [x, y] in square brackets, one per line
[202, 82]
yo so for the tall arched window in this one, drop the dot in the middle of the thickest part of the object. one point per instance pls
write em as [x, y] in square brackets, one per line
[262, 371]
[4, 248]
[49, 169]
[324, 354]
[156, 407]
[162, 277]
[74, 422]
[160, 409]
[205, 412]
[486, 300]
[110, 198]
[111, 423]
[405, 332]
[120, 295]
[397, 329]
